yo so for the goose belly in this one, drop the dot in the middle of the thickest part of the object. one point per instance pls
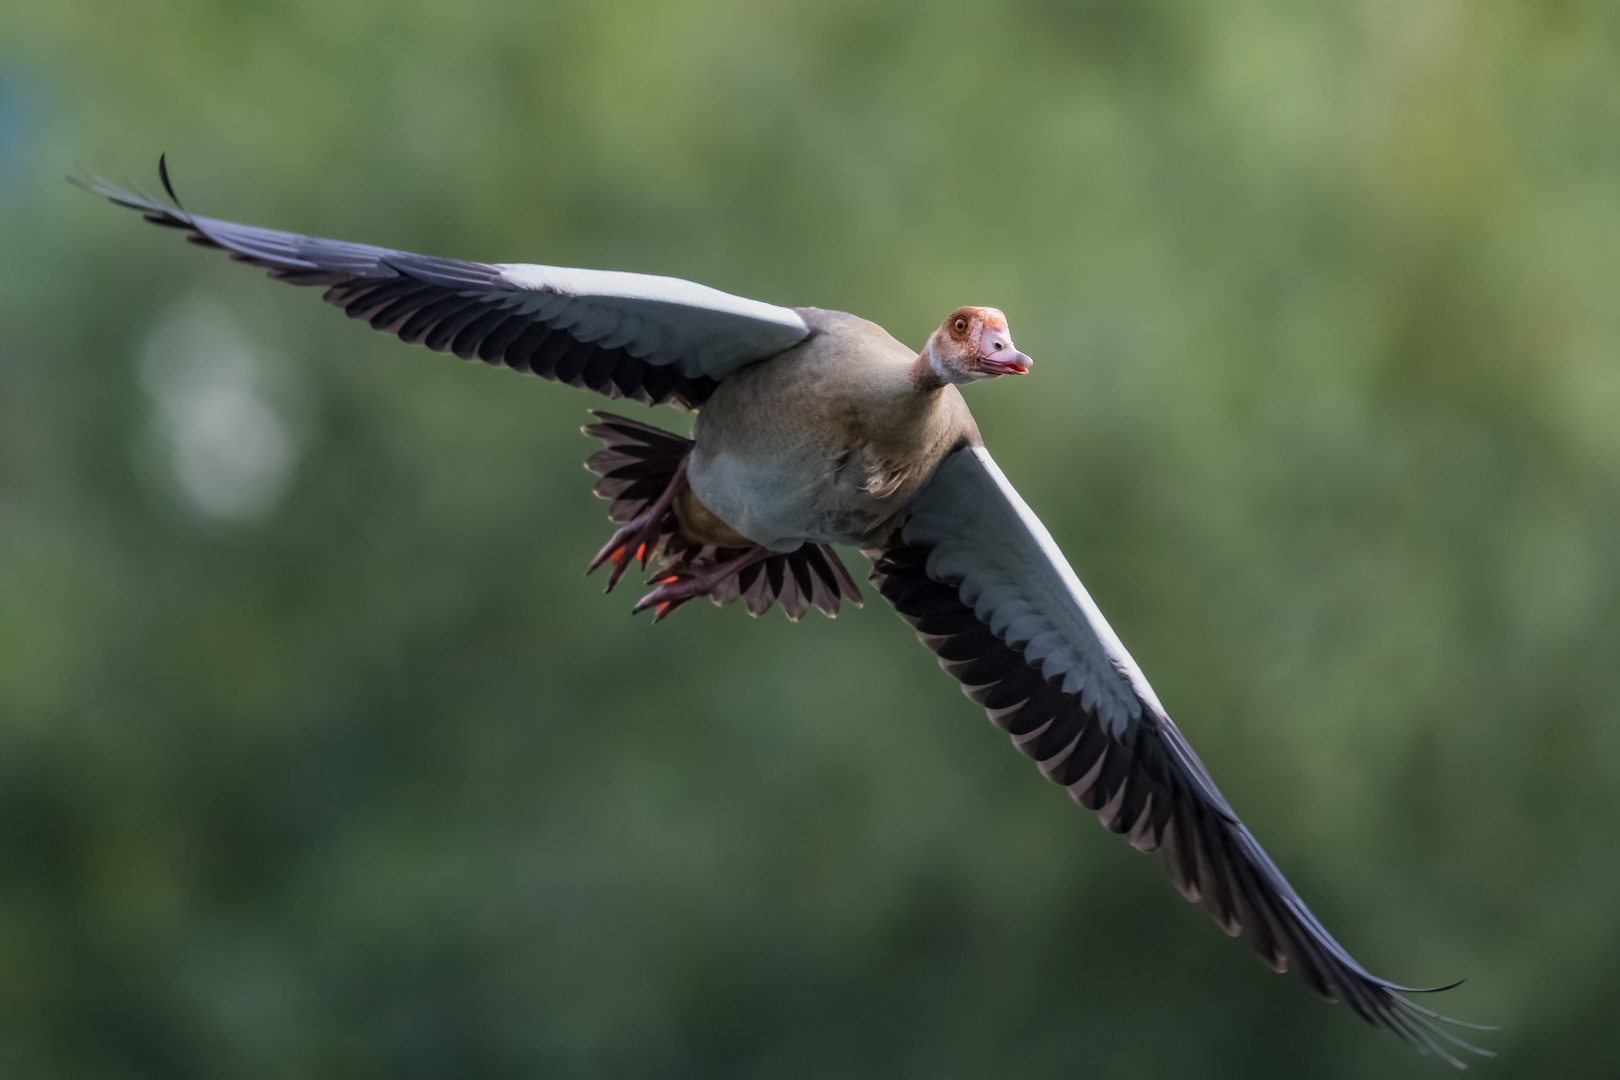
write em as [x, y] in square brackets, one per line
[780, 501]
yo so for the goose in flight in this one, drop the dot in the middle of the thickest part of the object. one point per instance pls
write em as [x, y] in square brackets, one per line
[817, 428]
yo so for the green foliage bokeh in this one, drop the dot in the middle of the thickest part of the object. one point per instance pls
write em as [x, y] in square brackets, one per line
[1326, 411]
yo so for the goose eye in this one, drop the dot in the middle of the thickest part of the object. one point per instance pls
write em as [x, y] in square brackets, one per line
[961, 325]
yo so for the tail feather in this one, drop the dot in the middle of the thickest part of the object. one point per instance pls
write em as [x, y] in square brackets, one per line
[635, 466]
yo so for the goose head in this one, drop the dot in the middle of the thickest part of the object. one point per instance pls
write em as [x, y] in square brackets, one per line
[973, 344]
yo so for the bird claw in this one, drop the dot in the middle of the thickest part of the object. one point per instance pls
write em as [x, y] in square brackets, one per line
[639, 537]
[672, 591]
[675, 587]
[636, 539]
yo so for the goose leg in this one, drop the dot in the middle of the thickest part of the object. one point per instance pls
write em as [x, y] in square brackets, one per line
[676, 586]
[638, 537]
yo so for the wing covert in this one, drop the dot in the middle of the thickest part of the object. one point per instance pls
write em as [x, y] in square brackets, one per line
[980, 579]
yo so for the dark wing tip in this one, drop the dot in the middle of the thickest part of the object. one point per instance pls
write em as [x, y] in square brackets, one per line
[1432, 1015]
[154, 210]
[1429, 989]
[1421, 1028]
[163, 174]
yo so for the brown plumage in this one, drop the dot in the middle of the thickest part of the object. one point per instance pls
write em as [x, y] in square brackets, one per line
[828, 441]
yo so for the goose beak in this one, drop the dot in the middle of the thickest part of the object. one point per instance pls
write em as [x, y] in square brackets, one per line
[1015, 364]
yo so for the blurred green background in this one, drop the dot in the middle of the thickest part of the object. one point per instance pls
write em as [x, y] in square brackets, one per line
[320, 758]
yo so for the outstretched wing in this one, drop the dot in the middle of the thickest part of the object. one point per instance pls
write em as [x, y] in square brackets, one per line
[652, 339]
[979, 577]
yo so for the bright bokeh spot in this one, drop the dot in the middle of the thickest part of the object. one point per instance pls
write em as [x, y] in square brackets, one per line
[229, 449]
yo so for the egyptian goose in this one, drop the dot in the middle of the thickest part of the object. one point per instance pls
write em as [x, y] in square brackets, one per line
[817, 428]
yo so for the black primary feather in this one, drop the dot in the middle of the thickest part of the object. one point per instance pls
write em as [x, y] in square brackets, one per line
[1147, 783]
[443, 300]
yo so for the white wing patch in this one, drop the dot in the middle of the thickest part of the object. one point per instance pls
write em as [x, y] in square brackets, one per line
[985, 539]
[661, 320]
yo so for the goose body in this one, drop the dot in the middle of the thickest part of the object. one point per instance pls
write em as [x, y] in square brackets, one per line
[826, 442]
[817, 428]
